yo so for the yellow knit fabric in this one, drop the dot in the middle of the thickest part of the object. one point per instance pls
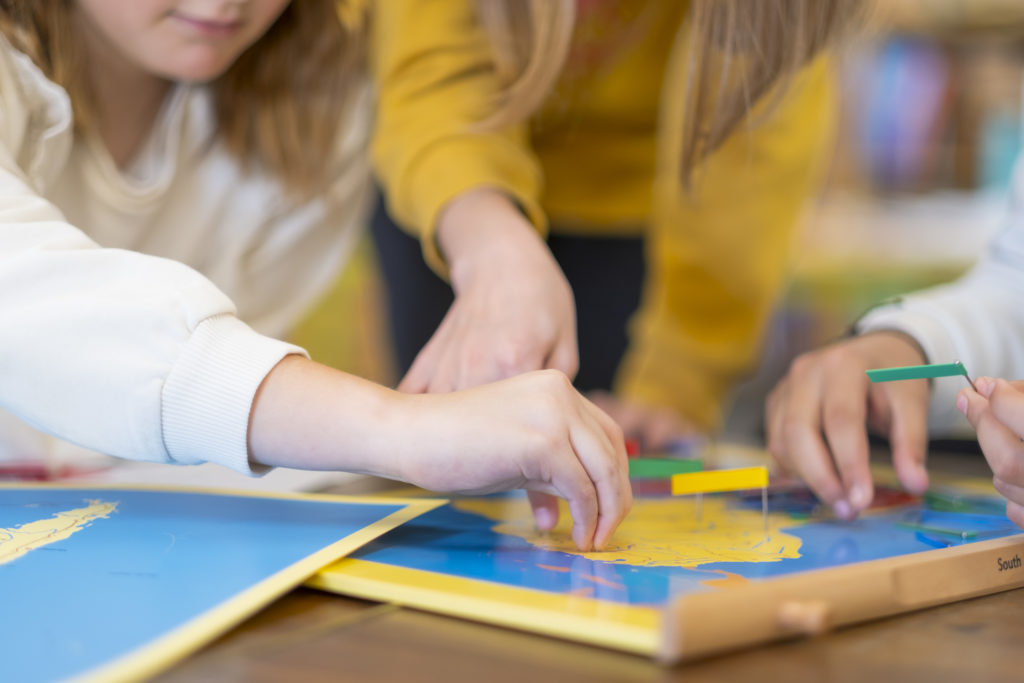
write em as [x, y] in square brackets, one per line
[608, 144]
[434, 79]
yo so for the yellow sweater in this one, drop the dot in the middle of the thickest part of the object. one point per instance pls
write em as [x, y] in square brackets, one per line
[717, 255]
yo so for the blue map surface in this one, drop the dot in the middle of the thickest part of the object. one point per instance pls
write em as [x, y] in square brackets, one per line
[158, 560]
[465, 544]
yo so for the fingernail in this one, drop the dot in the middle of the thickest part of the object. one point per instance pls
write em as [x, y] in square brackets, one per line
[860, 498]
[843, 510]
[921, 485]
[985, 385]
[961, 404]
[544, 519]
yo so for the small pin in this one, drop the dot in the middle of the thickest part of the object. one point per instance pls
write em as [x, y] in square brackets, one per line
[764, 508]
[713, 481]
[963, 371]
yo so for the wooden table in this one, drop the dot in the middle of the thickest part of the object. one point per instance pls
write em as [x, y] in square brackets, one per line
[313, 636]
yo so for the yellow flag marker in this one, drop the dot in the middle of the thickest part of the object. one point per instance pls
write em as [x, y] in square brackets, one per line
[713, 481]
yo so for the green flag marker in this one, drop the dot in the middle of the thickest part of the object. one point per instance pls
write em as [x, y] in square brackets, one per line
[945, 501]
[920, 372]
[962, 534]
[662, 468]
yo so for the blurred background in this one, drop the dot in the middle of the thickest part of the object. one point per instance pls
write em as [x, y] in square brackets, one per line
[931, 124]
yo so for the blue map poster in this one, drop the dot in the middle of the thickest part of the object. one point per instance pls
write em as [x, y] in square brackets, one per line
[677, 572]
[104, 583]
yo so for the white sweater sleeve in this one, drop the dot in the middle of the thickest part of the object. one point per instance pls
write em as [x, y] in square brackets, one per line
[978, 319]
[123, 353]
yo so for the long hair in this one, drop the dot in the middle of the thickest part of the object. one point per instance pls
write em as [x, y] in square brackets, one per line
[530, 40]
[740, 50]
[280, 104]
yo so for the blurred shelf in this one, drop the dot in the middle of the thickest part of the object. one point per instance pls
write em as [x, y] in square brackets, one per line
[955, 19]
[947, 228]
[856, 250]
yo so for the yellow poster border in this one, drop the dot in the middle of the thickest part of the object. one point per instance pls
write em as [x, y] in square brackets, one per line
[885, 587]
[156, 656]
[628, 628]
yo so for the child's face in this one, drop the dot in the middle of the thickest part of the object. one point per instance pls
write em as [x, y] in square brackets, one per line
[183, 40]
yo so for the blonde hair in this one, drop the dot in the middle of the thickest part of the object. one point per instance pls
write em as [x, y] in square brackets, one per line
[280, 104]
[530, 40]
[739, 51]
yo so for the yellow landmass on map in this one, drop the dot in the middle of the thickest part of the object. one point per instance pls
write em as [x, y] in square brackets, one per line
[16, 541]
[658, 532]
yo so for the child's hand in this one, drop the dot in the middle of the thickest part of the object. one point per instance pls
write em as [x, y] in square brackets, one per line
[654, 427]
[533, 431]
[997, 413]
[513, 309]
[816, 418]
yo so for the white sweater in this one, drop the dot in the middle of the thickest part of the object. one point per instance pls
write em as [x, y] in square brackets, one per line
[122, 292]
[978, 319]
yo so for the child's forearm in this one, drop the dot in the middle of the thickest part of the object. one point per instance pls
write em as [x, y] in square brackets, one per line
[533, 431]
[309, 416]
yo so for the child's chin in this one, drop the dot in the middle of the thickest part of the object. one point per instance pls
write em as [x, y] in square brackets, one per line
[198, 71]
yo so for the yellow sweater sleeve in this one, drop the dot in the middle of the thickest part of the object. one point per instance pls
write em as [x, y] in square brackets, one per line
[435, 78]
[718, 256]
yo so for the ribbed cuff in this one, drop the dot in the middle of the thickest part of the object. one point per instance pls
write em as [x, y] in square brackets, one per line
[207, 398]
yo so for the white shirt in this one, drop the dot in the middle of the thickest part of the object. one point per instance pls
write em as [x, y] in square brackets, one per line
[978, 319]
[122, 292]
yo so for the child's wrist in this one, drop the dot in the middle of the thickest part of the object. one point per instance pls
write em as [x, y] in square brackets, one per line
[481, 230]
[309, 416]
[894, 347]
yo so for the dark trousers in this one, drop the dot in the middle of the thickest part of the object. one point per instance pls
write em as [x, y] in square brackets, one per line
[606, 275]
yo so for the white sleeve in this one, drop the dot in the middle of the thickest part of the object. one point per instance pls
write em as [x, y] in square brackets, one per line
[978, 319]
[123, 353]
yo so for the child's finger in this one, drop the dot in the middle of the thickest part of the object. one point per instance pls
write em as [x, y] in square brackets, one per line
[844, 414]
[1007, 403]
[1011, 492]
[908, 436]
[565, 357]
[774, 414]
[417, 379]
[618, 443]
[571, 481]
[804, 447]
[972, 405]
[545, 509]
[486, 359]
[449, 370]
[1003, 449]
[665, 427]
[612, 430]
[607, 468]
[1015, 512]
